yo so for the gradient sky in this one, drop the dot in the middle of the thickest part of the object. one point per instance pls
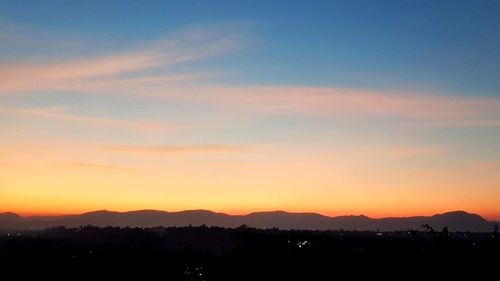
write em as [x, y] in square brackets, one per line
[382, 108]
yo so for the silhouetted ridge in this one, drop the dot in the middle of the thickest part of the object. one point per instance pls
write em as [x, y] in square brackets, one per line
[99, 213]
[460, 215]
[455, 221]
[9, 216]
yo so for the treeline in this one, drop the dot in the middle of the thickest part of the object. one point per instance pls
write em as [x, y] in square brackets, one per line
[214, 253]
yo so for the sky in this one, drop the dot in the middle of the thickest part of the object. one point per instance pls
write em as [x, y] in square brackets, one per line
[381, 108]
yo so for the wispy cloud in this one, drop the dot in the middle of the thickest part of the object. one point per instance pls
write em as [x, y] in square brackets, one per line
[429, 108]
[61, 114]
[396, 152]
[168, 149]
[359, 102]
[411, 151]
[150, 71]
[456, 123]
[102, 167]
[486, 166]
[107, 72]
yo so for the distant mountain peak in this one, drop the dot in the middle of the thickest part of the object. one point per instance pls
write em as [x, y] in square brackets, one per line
[276, 212]
[283, 213]
[145, 211]
[98, 212]
[9, 215]
[354, 216]
[200, 212]
[459, 214]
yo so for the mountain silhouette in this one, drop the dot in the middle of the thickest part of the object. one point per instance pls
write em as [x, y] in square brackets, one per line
[455, 221]
[9, 217]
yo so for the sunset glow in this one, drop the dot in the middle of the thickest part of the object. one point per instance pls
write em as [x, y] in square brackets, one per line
[239, 111]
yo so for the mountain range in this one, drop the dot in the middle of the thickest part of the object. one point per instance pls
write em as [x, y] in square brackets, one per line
[455, 221]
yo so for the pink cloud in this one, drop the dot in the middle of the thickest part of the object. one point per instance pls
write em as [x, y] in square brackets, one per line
[468, 111]
[411, 151]
[59, 114]
[486, 166]
[136, 73]
[166, 149]
[102, 167]
[106, 73]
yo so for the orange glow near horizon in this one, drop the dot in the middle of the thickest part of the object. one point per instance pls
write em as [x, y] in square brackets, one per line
[260, 178]
[60, 179]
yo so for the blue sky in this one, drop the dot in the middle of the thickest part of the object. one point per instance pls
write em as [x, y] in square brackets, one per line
[451, 46]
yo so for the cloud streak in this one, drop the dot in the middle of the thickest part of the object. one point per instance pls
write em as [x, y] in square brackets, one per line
[360, 102]
[412, 151]
[107, 72]
[102, 167]
[60, 114]
[173, 149]
[150, 72]
[338, 102]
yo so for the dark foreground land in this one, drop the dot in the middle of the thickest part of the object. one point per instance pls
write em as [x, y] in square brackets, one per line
[213, 253]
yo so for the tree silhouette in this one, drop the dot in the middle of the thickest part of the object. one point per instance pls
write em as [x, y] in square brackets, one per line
[429, 228]
[445, 232]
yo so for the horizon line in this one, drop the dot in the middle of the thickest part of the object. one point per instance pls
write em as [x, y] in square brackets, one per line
[246, 214]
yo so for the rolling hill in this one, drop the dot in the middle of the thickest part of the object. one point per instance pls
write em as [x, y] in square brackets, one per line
[455, 221]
